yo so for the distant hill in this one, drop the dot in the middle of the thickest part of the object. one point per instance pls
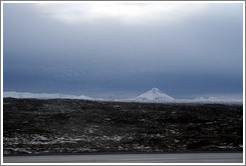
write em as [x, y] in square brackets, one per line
[154, 95]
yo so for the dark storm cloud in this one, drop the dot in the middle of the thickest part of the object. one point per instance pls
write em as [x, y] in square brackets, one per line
[73, 50]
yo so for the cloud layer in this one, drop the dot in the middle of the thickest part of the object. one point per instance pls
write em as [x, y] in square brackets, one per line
[104, 48]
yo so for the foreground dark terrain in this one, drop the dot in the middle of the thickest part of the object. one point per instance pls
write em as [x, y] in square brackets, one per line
[33, 126]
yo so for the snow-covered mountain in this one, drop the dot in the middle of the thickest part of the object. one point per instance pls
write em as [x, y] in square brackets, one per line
[217, 100]
[154, 95]
[43, 95]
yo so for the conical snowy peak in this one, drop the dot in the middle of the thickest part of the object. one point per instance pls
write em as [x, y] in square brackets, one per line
[154, 95]
[155, 90]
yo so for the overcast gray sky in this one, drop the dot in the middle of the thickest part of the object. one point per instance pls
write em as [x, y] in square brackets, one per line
[123, 49]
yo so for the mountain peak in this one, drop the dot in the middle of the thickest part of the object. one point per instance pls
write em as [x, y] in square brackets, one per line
[155, 90]
[154, 95]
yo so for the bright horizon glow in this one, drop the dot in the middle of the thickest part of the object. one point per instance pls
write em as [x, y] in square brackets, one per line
[124, 12]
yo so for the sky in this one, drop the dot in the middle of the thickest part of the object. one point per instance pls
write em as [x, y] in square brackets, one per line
[122, 49]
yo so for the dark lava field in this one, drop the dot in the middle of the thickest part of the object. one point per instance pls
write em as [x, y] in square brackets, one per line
[34, 126]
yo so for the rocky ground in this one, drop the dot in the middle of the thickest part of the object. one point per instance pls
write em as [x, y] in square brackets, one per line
[33, 126]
